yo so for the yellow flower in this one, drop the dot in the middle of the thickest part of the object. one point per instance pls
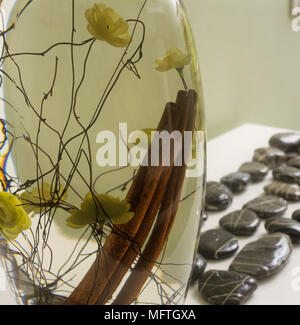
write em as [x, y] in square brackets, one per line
[100, 207]
[13, 218]
[42, 197]
[174, 58]
[106, 25]
[148, 133]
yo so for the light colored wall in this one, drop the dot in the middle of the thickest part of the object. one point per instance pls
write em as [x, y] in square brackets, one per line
[250, 62]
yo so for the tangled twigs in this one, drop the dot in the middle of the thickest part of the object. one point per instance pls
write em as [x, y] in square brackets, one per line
[116, 245]
[152, 188]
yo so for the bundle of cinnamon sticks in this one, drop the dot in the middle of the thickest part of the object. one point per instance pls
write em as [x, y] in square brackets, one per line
[154, 197]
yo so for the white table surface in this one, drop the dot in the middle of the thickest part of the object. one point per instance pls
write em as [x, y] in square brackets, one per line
[225, 154]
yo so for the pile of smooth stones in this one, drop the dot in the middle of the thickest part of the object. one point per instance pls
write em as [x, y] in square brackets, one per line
[266, 256]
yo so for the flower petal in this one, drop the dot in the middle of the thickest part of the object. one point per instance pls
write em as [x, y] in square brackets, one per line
[163, 65]
[78, 219]
[97, 208]
[124, 218]
[174, 58]
[106, 25]
[120, 27]
[41, 197]
[13, 218]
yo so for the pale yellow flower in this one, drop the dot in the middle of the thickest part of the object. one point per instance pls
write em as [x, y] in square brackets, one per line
[13, 218]
[106, 25]
[41, 197]
[174, 59]
[98, 208]
[148, 133]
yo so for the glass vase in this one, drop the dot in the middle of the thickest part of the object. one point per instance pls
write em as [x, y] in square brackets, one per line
[102, 151]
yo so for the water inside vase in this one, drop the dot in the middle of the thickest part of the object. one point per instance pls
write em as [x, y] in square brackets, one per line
[61, 88]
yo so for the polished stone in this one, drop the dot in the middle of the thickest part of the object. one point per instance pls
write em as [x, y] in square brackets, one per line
[226, 287]
[296, 215]
[286, 141]
[217, 244]
[289, 192]
[271, 157]
[291, 155]
[237, 182]
[257, 171]
[218, 196]
[287, 226]
[263, 257]
[294, 162]
[198, 268]
[240, 222]
[287, 174]
[267, 206]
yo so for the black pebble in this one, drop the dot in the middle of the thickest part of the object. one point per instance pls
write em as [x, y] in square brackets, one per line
[294, 162]
[287, 226]
[287, 174]
[237, 182]
[217, 244]
[263, 257]
[198, 268]
[267, 206]
[286, 141]
[291, 155]
[296, 215]
[218, 196]
[257, 171]
[289, 192]
[272, 157]
[226, 287]
[240, 222]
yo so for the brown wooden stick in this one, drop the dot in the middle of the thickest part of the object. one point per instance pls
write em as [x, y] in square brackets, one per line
[164, 222]
[141, 236]
[140, 273]
[137, 242]
[117, 243]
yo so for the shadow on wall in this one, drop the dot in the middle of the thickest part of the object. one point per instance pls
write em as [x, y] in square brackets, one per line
[250, 62]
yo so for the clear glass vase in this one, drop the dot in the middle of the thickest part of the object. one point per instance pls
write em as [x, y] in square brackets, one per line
[102, 152]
